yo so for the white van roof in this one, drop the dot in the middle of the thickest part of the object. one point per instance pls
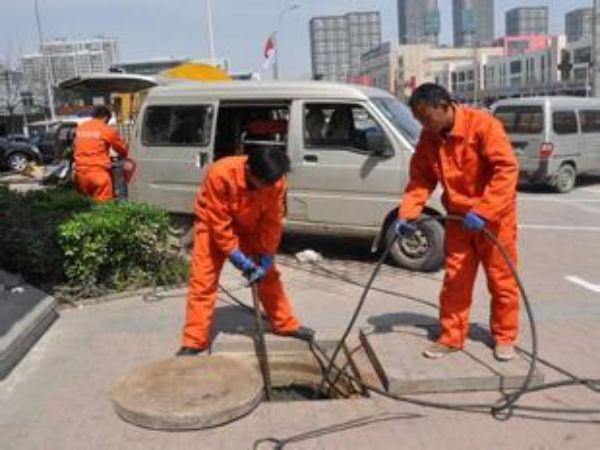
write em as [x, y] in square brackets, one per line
[557, 101]
[266, 90]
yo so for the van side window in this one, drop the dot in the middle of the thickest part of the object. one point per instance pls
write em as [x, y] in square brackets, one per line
[564, 122]
[337, 126]
[177, 126]
[525, 119]
[590, 121]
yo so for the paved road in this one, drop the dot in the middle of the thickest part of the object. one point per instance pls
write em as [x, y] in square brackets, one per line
[58, 396]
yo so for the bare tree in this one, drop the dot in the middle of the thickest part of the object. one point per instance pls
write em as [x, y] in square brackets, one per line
[12, 82]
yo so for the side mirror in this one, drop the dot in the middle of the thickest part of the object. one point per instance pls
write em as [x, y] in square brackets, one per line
[378, 144]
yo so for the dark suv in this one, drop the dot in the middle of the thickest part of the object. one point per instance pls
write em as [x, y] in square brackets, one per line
[16, 155]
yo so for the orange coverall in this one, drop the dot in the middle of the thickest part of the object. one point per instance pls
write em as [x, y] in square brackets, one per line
[478, 170]
[93, 140]
[230, 216]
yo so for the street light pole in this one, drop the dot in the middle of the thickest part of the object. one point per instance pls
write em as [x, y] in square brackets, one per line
[286, 10]
[49, 80]
[211, 39]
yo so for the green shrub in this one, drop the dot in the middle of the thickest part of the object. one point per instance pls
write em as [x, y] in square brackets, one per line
[28, 231]
[119, 245]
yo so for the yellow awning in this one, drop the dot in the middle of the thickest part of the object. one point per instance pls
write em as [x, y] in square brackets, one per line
[197, 72]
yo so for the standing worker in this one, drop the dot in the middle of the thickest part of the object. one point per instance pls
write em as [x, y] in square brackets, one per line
[93, 141]
[239, 212]
[468, 152]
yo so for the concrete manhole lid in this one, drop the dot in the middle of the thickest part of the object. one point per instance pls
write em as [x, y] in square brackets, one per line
[188, 393]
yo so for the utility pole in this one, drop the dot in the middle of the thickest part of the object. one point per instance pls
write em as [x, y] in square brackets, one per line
[211, 39]
[596, 49]
[47, 64]
[283, 12]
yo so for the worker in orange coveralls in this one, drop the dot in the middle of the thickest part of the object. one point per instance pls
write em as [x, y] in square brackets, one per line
[468, 152]
[239, 212]
[93, 141]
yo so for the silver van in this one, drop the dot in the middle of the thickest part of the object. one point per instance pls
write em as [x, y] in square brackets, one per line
[554, 138]
[350, 149]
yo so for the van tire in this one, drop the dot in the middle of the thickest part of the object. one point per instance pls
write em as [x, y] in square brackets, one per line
[424, 252]
[564, 180]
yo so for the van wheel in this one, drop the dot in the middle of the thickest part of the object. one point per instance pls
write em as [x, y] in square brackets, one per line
[423, 252]
[565, 179]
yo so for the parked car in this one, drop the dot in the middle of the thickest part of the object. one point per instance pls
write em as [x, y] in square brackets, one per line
[555, 139]
[16, 155]
[53, 137]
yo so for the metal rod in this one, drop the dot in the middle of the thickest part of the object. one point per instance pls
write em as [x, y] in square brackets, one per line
[47, 64]
[259, 344]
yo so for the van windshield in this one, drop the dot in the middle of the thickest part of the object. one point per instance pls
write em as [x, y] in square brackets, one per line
[522, 119]
[400, 116]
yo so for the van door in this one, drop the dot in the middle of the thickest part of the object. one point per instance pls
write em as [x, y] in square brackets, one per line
[336, 178]
[565, 137]
[174, 148]
[590, 140]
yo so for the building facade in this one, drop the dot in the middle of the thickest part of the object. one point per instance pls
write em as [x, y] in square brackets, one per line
[527, 20]
[399, 69]
[67, 59]
[337, 43]
[536, 72]
[579, 24]
[518, 45]
[418, 22]
[473, 22]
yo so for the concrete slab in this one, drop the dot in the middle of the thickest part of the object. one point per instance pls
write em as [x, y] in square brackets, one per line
[25, 314]
[188, 393]
[396, 356]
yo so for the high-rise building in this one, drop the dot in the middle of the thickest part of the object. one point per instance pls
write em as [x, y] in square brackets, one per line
[68, 59]
[337, 42]
[579, 24]
[473, 23]
[418, 21]
[527, 20]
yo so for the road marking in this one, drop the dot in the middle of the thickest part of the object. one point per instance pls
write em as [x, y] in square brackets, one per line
[558, 200]
[585, 284]
[557, 227]
[597, 191]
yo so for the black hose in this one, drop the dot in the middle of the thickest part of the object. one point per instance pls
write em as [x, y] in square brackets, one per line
[504, 406]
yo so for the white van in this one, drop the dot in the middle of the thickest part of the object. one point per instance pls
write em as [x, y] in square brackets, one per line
[554, 138]
[350, 149]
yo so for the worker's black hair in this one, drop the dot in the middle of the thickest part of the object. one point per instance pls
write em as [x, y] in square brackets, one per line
[268, 163]
[430, 94]
[101, 112]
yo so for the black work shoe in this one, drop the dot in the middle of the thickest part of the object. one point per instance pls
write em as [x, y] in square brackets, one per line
[190, 351]
[303, 333]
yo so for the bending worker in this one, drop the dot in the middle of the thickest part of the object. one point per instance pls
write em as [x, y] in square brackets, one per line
[93, 141]
[468, 152]
[239, 212]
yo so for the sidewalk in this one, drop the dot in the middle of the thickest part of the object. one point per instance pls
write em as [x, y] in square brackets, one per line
[59, 395]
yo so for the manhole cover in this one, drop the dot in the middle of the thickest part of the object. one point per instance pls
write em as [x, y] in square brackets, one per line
[188, 393]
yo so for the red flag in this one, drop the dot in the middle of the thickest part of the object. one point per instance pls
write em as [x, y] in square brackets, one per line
[269, 50]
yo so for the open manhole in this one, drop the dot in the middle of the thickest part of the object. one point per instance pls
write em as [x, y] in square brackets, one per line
[297, 376]
[199, 392]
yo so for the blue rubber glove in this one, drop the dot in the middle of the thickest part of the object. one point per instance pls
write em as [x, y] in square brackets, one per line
[255, 275]
[405, 228]
[473, 222]
[266, 261]
[242, 262]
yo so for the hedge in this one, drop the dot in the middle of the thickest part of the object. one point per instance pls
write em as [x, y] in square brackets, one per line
[59, 238]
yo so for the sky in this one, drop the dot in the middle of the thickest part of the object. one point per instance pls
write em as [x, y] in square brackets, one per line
[179, 28]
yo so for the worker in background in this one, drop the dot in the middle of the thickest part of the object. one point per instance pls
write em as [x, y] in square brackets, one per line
[239, 212]
[468, 152]
[93, 141]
